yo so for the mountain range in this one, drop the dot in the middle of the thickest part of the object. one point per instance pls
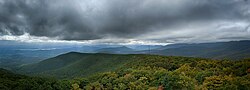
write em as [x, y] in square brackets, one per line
[12, 56]
[233, 50]
[223, 50]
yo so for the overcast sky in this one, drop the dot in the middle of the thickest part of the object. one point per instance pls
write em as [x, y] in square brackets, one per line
[125, 21]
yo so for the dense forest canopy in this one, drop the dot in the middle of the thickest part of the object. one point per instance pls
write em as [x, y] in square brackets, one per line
[148, 72]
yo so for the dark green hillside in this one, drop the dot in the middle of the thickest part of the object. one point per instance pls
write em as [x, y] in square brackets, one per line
[76, 64]
[11, 81]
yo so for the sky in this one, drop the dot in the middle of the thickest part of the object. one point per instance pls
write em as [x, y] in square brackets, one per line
[156, 22]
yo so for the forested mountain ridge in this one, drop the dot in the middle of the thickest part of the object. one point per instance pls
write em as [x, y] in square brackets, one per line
[75, 64]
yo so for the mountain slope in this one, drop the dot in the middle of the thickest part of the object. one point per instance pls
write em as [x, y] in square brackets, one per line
[76, 64]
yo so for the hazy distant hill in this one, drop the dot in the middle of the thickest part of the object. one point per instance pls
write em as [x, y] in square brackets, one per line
[217, 50]
[220, 50]
[116, 50]
[143, 47]
[76, 64]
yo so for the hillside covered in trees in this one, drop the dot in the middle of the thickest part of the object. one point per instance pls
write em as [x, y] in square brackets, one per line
[74, 64]
[171, 73]
[12, 81]
[152, 72]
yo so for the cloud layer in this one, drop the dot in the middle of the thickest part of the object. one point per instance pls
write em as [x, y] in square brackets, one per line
[158, 21]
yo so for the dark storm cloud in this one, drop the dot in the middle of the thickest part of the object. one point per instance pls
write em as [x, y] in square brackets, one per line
[42, 18]
[127, 19]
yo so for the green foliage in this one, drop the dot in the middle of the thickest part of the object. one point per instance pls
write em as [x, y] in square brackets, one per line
[171, 73]
[178, 82]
